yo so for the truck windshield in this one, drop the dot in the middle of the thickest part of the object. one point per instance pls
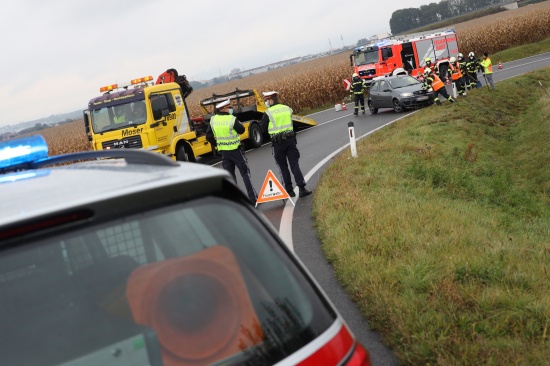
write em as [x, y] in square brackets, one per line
[118, 116]
[365, 58]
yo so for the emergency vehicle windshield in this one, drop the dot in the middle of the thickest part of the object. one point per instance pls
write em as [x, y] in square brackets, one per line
[202, 280]
[365, 58]
[118, 116]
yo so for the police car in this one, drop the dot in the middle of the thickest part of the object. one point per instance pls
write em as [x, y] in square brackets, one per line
[126, 257]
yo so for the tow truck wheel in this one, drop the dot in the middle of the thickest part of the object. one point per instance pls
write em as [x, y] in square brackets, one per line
[184, 153]
[255, 136]
[372, 110]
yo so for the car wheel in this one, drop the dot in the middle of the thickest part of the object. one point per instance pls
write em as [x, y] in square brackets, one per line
[255, 136]
[371, 108]
[397, 106]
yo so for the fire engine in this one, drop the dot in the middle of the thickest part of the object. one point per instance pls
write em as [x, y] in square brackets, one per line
[153, 116]
[404, 55]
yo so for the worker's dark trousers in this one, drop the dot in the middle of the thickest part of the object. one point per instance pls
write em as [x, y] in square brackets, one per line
[359, 99]
[442, 92]
[287, 150]
[459, 86]
[236, 158]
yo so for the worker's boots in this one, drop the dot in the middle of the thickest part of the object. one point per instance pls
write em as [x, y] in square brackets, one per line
[303, 191]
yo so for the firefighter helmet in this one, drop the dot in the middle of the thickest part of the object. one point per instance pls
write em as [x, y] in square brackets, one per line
[471, 55]
[460, 56]
[453, 60]
[428, 59]
[355, 75]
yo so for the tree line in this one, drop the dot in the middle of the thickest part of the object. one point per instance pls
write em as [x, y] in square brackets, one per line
[403, 20]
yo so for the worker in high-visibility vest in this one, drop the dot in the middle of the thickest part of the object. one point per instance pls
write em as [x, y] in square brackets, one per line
[277, 121]
[357, 90]
[488, 69]
[456, 75]
[223, 131]
[437, 85]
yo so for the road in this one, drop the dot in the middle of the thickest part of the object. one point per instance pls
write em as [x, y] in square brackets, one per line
[317, 147]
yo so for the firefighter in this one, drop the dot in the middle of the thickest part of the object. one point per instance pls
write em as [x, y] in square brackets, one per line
[456, 75]
[487, 66]
[277, 121]
[437, 85]
[431, 66]
[464, 71]
[357, 89]
[472, 66]
[223, 131]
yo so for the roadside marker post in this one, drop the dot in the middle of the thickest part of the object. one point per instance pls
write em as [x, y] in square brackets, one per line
[455, 92]
[352, 144]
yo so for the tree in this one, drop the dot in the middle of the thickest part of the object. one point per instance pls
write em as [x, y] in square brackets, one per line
[362, 42]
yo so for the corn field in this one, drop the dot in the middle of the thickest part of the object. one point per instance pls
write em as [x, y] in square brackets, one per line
[316, 83]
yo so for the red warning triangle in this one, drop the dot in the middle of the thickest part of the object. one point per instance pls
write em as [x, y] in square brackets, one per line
[272, 190]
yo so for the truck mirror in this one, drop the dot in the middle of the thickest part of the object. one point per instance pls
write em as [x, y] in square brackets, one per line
[86, 122]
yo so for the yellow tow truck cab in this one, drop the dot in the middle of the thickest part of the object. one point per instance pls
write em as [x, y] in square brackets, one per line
[142, 114]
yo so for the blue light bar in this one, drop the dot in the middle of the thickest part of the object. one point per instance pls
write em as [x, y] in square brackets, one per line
[14, 153]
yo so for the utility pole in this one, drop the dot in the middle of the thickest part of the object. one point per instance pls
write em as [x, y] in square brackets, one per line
[342, 38]
[330, 45]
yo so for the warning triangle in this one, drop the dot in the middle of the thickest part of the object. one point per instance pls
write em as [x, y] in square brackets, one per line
[272, 190]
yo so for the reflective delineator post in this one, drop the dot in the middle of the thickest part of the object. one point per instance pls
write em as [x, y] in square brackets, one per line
[455, 92]
[351, 130]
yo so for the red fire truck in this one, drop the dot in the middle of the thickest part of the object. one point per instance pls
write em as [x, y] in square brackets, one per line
[405, 55]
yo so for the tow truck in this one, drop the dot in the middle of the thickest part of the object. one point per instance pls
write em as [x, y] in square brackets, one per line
[153, 116]
[404, 55]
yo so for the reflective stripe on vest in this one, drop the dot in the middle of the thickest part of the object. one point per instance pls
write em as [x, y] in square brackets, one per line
[280, 119]
[226, 137]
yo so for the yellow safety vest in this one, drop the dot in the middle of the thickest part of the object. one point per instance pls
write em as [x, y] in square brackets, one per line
[487, 65]
[226, 137]
[280, 119]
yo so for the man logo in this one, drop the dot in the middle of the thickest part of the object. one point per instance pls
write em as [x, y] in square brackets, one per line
[179, 100]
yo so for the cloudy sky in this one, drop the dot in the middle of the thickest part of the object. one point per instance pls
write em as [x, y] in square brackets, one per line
[56, 54]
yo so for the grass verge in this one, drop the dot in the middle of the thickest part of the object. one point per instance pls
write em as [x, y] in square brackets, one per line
[440, 229]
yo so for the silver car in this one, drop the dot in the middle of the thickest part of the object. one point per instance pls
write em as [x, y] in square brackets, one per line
[132, 258]
[398, 92]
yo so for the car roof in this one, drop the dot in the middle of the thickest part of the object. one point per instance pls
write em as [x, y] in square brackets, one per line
[105, 186]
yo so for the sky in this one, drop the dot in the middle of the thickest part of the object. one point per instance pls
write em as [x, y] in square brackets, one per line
[56, 54]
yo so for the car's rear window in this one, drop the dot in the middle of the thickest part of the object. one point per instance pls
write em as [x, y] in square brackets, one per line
[197, 283]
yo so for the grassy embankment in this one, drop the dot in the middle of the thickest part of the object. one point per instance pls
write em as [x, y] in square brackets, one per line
[440, 229]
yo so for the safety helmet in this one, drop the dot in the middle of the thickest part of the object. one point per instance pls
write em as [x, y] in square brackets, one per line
[428, 59]
[460, 56]
[453, 60]
[355, 75]
[471, 54]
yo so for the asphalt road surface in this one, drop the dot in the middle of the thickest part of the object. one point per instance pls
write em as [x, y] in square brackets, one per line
[317, 146]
